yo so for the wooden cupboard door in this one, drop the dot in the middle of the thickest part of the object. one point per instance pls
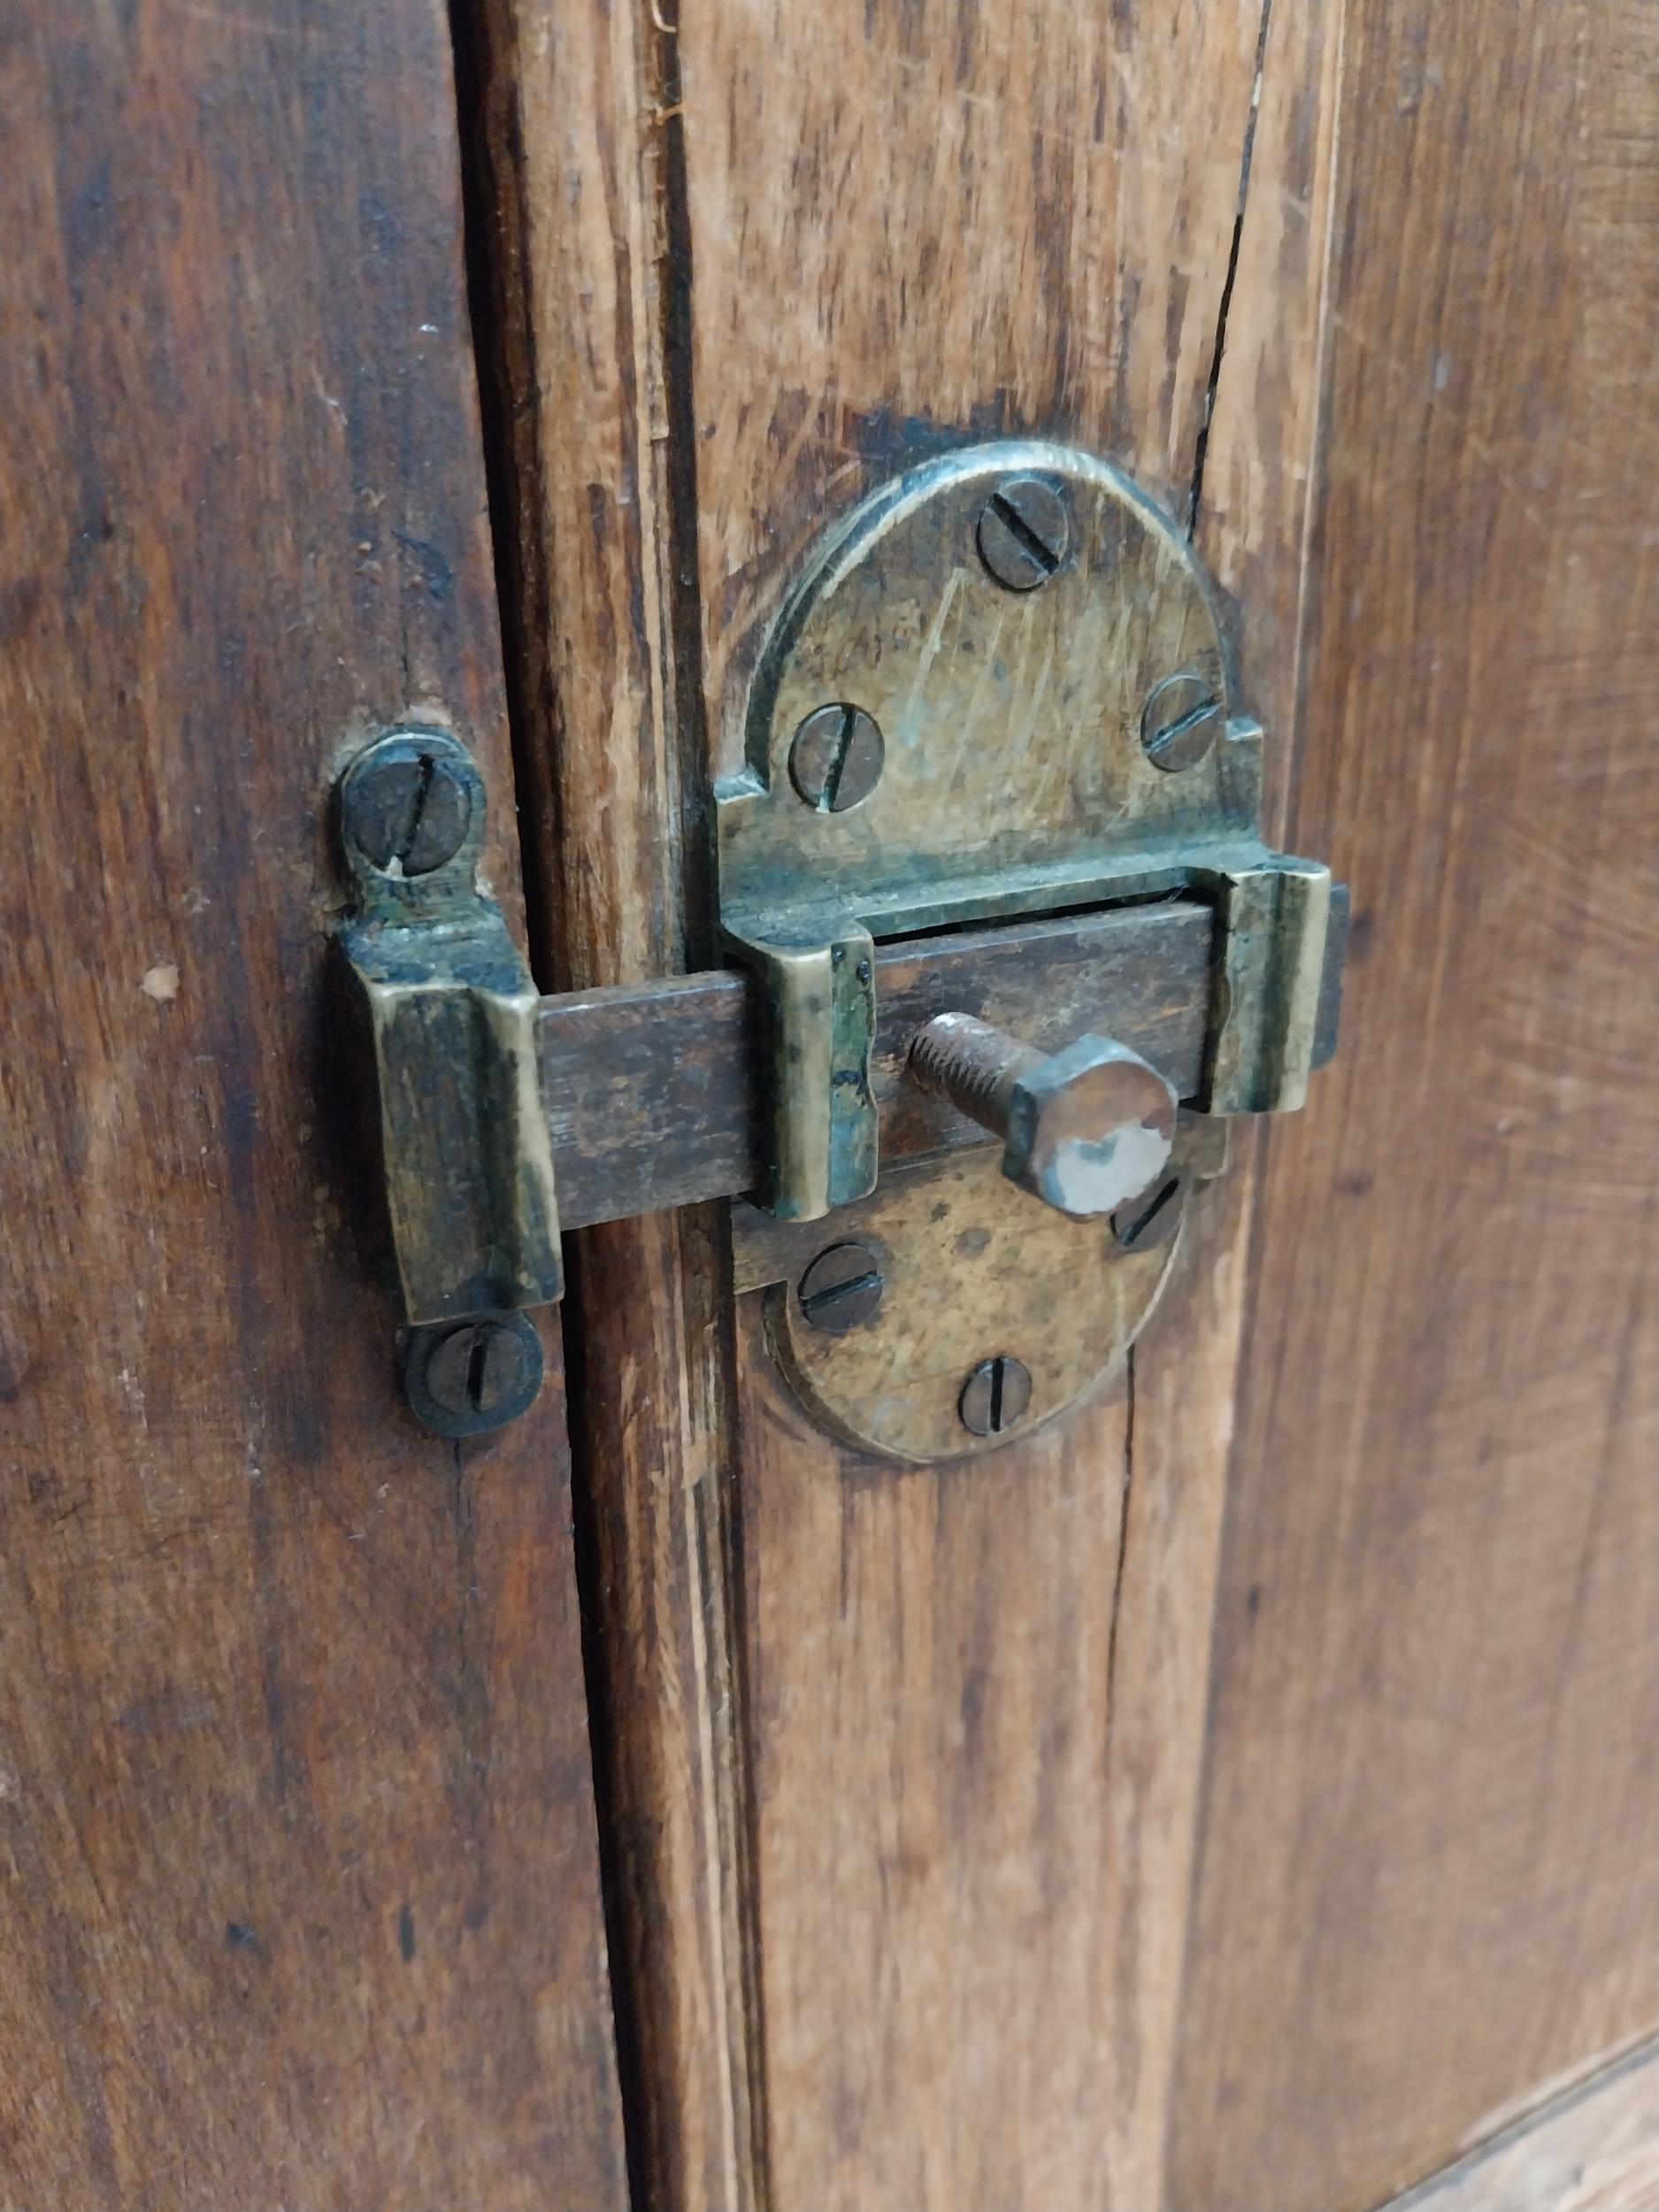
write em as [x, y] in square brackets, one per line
[1240, 1799]
[1430, 1890]
[298, 1888]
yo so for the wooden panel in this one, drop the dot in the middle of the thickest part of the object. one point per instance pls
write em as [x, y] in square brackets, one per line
[575, 111]
[977, 1696]
[1595, 2149]
[1431, 1878]
[296, 1839]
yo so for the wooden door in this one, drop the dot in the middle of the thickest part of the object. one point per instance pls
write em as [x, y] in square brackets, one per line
[299, 1897]
[1240, 1797]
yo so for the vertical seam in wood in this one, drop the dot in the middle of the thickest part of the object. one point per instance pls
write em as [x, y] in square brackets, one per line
[502, 280]
[495, 223]
[684, 592]
[498, 272]
[1201, 448]
[1251, 1227]
[1312, 522]
[1122, 1553]
[717, 1503]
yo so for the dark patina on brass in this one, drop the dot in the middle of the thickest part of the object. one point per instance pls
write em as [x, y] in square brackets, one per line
[450, 1009]
[1062, 731]
[996, 863]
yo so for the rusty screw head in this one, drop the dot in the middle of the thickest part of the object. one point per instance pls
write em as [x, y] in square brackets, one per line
[464, 1378]
[406, 805]
[1179, 721]
[1149, 1221]
[835, 760]
[996, 1395]
[1024, 533]
[843, 1288]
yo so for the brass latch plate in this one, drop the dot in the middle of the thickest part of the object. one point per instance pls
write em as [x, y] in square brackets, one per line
[1073, 741]
[1000, 690]
[995, 864]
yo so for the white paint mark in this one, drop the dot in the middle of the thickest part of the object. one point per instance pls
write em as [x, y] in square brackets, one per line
[161, 983]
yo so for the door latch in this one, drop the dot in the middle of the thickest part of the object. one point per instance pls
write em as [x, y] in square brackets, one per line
[995, 868]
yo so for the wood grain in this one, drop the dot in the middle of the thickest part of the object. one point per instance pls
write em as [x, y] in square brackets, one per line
[296, 1830]
[1595, 2148]
[1431, 1876]
[977, 1694]
[572, 107]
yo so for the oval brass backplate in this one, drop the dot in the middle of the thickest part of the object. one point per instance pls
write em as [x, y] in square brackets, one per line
[973, 1271]
[970, 1270]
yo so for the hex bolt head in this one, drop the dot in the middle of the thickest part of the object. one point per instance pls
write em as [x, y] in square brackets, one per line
[407, 804]
[1179, 721]
[835, 758]
[1086, 1129]
[1024, 533]
[995, 1396]
[1148, 1223]
[467, 1378]
[843, 1288]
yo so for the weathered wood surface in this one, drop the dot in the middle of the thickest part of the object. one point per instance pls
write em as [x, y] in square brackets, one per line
[653, 1090]
[976, 1696]
[1431, 1877]
[574, 109]
[1593, 2149]
[298, 1900]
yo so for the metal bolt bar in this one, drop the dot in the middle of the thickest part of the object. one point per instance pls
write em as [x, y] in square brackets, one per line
[961, 1058]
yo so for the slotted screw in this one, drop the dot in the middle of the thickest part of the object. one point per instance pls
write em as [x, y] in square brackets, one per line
[1086, 1129]
[407, 804]
[996, 1395]
[475, 1376]
[1024, 533]
[836, 757]
[475, 1369]
[843, 1288]
[1149, 1221]
[1179, 721]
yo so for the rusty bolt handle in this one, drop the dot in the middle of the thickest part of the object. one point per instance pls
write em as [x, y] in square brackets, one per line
[1085, 1129]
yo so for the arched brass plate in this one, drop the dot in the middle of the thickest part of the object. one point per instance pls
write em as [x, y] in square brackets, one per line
[1020, 744]
[1014, 778]
[973, 1269]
